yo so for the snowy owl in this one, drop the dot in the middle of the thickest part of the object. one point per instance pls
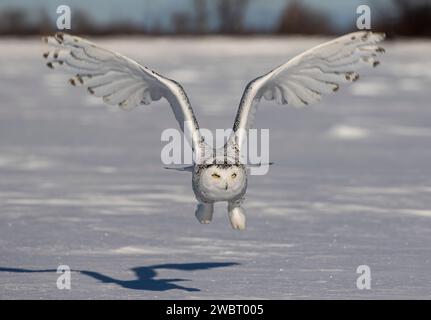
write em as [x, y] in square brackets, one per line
[299, 82]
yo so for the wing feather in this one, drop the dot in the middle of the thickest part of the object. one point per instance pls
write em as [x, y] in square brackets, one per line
[118, 79]
[304, 79]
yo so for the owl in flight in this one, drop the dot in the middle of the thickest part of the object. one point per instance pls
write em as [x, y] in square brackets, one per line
[217, 175]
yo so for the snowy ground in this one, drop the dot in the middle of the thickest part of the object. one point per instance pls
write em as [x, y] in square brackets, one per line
[82, 184]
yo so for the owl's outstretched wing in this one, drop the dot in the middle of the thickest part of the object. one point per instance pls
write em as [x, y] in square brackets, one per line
[119, 80]
[304, 79]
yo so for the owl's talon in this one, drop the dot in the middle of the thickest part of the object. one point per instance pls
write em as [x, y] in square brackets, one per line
[237, 217]
[204, 212]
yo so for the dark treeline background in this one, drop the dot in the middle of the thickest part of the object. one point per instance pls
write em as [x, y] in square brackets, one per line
[410, 18]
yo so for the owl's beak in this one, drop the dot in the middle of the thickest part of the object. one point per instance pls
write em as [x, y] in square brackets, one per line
[226, 186]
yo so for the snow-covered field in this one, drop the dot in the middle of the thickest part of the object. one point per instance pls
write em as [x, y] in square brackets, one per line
[82, 184]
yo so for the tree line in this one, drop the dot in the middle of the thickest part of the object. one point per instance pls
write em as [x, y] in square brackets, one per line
[228, 17]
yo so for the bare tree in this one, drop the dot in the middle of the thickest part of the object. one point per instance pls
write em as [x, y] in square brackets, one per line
[83, 22]
[299, 19]
[13, 21]
[201, 13]
[181, 23]
[412, 18]
[231, 15]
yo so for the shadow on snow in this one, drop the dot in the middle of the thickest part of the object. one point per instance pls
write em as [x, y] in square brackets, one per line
[145, 275]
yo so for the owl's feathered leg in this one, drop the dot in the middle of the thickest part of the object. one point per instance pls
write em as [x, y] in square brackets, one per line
[236, 215]
[204, 212]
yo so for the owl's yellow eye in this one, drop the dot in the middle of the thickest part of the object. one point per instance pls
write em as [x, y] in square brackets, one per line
[233, 175]
[215, 175]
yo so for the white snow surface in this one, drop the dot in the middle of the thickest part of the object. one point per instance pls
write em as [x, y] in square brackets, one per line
[82, 184]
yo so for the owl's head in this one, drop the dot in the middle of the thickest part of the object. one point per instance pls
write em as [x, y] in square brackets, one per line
[223, 181]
